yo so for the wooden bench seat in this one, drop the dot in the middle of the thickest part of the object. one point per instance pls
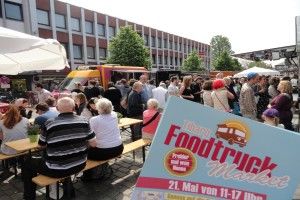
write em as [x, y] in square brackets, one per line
[42, 180]
[4, 156]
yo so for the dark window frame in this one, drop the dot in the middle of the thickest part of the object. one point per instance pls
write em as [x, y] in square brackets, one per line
[16, 4]
[105, 52]
[80, 52]
[65, 24]
[99, 25]
[78, 23]
[114, 31]
[48, 17]
[92, 25]
[87, 50]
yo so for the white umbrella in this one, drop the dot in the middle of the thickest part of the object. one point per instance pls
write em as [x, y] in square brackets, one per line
[260, 71]
[21, 52]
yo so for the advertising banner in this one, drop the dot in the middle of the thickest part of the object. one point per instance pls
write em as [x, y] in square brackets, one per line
[199, 153]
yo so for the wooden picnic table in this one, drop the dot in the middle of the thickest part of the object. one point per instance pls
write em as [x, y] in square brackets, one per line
[26, 145]
[128, 122]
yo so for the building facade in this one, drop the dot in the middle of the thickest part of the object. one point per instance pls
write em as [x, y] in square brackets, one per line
[86, 34]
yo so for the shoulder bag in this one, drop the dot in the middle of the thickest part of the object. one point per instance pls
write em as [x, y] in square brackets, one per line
[151, 120]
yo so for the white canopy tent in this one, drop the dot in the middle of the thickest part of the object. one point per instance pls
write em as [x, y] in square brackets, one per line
[260, 71]
[21, 52]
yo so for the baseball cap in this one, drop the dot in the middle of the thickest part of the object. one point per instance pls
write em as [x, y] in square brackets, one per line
[271, 113]
[218, 83]
[251, 75]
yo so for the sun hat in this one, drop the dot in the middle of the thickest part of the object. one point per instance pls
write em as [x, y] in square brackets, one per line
[218, 83]
[271, 113]
[251, 75]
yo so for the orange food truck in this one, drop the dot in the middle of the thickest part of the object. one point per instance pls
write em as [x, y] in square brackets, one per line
[101, 73]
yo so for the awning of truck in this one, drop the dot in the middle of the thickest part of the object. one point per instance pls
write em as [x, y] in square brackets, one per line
[84, 74]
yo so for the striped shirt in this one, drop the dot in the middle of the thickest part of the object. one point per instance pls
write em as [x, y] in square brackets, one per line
[66, 138]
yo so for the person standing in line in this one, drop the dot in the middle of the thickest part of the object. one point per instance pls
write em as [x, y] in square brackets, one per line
[220, 96]
[43, 94]
[65, 140]
[172, 88]
[196, 89]
[283, 103]
[207, 90]
[272, 90]
[247, 99]
[80, 103]
[261, 92]
[114, 95]
[135, 108]
[92, 90]
[145, 93]
[151, 86]
[160, 94]
[185, 91]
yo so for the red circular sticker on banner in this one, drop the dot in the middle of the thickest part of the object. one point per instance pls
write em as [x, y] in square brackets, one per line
[180, 162]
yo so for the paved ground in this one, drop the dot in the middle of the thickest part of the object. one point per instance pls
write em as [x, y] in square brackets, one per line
[119, 186]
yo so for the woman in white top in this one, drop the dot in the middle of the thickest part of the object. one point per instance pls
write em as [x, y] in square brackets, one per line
[108, 138]
[207, 89]
[220, 96]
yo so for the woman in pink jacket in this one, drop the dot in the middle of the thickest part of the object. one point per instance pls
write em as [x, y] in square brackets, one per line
[151, 119]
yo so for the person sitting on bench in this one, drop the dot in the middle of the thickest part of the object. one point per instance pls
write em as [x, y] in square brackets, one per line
[64, 139]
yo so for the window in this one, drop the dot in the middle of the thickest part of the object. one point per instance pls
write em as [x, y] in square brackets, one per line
[43, 17]
[166, 60]
[180, 61]
[89, 27]
[165, 43]
[175, 44]
[65, 45]
[60, 21]
[180, 46]
[171, 60]
[13, 11]
[153, 59]
[146, 38]
[77, 51]
[159, 60]
[152, 41]
[184, 48]
[0, 10]
[175, 61]
[101, 30]
[159, 42]
[112, 32]
[90, 52]
[75, 24]
[102, 53]
[170, 44]
[189, 49]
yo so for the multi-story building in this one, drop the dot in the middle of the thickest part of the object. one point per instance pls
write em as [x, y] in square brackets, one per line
[85, 34]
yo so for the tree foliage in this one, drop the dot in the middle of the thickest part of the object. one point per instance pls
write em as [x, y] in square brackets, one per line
[226, 63]
[219, 44]
[259, 64]
[193, 62]
[127, 49]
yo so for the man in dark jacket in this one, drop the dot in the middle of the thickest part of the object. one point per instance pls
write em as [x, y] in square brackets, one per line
[135, 108]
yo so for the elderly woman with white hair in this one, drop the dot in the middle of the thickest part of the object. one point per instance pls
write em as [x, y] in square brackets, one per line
[108, 138]
[151, 118]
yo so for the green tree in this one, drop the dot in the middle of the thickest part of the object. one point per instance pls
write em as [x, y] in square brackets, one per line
[259, 64]
[226, 63]
[219, 44]
[127, 49]
[193, 62]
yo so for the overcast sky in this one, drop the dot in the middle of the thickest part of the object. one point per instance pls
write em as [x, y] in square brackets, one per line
[249, 24]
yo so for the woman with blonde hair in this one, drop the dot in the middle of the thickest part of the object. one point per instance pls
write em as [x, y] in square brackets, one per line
[185, 91]
[80, 101]
[283, 103]
[12, 127]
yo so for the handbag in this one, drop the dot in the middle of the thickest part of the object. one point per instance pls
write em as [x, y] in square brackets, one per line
[123, 103]
[151, 120]
[227, 109]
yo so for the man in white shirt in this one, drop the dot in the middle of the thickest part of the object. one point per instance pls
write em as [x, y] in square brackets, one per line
[173, 89]
[43, 94]
[160, 94]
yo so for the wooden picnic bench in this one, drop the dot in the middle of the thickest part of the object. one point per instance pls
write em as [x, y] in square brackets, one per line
[45, 181]
[4, 157]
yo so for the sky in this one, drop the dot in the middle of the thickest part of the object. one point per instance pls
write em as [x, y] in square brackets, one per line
[248, 24]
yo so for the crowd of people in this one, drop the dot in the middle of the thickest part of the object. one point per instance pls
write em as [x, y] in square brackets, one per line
[85, 125]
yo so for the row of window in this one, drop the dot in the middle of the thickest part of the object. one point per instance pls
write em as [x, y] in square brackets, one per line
[60, 21]
[77, 50]
[12, 10]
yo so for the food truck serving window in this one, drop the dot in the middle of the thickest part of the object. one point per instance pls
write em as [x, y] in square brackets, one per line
[68, 83]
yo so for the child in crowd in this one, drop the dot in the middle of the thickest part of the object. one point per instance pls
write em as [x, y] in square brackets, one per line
[271, 117]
